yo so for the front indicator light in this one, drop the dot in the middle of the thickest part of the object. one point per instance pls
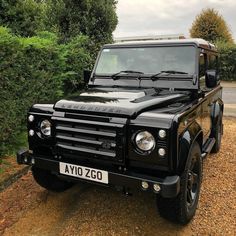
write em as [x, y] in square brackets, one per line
[31, 133]
[162, 133]
[161, 152]
[31, 118]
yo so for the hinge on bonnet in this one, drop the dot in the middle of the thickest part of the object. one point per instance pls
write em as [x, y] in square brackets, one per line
[194, 79]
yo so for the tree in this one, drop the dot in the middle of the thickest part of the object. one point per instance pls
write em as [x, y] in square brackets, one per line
[96, 19]
[210, 25]
[23, 17]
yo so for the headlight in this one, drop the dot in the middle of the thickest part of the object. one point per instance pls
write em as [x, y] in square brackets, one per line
[45, 128]
[145, 141]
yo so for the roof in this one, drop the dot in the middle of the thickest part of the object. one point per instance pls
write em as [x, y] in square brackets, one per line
[192, 41]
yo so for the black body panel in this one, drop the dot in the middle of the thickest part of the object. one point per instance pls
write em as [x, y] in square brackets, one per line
[124, 103]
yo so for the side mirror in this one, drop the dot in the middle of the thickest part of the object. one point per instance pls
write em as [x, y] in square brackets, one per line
[211, 78]
[87, 74]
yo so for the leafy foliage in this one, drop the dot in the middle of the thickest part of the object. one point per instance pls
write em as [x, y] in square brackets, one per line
[43, 51]
[211, 26]
[66, 18]
[227, 60]
[34, 70]
[71, 18]
[76, 60]
[24, 17]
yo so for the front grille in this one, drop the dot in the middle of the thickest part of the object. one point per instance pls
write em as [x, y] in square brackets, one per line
[161, 143]
[87, 138]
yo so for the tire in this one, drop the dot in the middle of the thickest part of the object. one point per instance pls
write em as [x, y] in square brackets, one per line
[217, 134]
[182, 208]
[50, 181]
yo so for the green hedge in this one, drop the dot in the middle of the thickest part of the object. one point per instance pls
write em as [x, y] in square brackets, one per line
[227, 61]
[34, 70]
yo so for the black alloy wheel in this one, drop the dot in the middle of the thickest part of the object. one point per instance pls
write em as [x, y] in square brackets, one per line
[193, 183]
[182, 208]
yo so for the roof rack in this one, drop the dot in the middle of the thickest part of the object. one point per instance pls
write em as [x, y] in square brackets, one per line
[149, 37]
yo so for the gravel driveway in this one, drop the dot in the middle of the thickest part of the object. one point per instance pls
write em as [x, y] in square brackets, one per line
[27, 209]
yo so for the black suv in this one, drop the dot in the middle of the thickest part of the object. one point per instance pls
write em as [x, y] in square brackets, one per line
[150, 112]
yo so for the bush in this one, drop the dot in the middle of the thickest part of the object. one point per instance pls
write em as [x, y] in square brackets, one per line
[77, 58]
[24, 17]
[227, 60]
[34, 70]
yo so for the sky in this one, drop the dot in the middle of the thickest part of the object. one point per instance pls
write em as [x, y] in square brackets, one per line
[161, 17]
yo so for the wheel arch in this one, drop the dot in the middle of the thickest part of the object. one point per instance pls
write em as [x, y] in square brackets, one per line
[192, 134]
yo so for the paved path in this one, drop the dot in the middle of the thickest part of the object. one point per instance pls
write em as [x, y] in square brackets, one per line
[229, 95]
[229, 98]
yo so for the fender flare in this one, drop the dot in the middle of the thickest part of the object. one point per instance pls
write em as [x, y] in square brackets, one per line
[191, 134]
[216, 109]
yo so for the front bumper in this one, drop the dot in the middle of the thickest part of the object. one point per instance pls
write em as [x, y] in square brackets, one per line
[169, 185]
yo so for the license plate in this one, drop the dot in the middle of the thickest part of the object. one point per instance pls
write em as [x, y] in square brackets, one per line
[83, 172]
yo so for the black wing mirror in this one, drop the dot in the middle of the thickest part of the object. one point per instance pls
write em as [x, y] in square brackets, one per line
[87, 75]
[211, 78]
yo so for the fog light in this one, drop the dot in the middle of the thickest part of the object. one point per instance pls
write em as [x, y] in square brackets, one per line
[145, 185]
[32, 161]
[31, 133]
[156, 188]
[31, 118]
[161, 152]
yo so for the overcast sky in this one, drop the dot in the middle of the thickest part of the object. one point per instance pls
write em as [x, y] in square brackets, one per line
[157, 17]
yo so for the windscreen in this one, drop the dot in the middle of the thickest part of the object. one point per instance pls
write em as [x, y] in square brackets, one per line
[149, 60]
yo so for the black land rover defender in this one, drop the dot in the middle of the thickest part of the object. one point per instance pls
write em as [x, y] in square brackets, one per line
[150, 112]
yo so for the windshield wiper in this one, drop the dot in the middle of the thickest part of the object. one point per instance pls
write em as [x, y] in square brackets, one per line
[115, 76]
[168, 72]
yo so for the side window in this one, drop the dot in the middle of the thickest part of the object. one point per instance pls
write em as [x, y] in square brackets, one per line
[202, 65]
[212, 62]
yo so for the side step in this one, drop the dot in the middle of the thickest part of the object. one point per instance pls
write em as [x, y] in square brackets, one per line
[208, 146]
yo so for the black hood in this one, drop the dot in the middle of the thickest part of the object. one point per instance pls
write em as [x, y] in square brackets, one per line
[125, 103]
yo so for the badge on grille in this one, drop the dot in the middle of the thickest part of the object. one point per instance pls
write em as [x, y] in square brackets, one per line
[106, 145]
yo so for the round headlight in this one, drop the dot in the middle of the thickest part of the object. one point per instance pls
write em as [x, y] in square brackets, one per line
[145, 141]
[45, 128]
[162, 133]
